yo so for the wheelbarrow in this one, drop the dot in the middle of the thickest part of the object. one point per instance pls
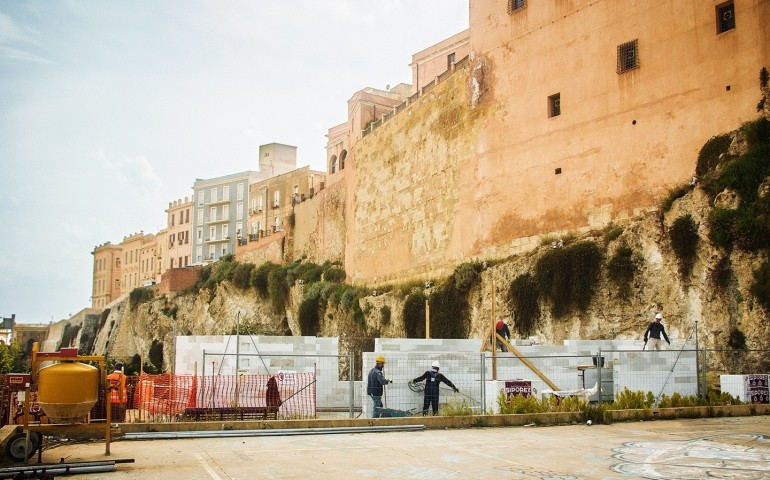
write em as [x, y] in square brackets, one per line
[392, 412]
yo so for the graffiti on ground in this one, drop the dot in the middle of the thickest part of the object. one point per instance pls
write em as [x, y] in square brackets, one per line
[733, 457]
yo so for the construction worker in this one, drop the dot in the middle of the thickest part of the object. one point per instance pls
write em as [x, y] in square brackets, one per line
[653, 332]
[432, 381]
[501, 328]
[116, 382]
[375, 385]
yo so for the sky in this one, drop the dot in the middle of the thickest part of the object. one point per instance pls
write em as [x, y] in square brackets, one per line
[111, 109]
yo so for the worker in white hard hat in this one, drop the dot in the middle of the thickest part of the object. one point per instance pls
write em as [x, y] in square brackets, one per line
[432, 379]
[375, 385]
[654, 330]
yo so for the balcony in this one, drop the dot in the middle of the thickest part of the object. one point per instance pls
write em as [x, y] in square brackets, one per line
[216, 221]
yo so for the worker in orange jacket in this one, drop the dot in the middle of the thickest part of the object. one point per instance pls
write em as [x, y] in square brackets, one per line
[116, 382]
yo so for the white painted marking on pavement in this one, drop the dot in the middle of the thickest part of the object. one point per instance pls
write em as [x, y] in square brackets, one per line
[208, 468]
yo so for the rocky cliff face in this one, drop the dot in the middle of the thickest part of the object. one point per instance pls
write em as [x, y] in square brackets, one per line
[714, 293]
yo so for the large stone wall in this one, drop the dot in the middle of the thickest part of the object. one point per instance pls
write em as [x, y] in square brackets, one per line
[475, 168]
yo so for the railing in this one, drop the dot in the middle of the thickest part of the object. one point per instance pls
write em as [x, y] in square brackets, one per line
[425, 89]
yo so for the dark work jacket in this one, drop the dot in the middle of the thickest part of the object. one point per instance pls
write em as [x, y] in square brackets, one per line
[432, 380]
[374, 382]
[654, 331]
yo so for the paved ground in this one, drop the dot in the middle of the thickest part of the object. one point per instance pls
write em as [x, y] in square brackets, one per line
[728, 448]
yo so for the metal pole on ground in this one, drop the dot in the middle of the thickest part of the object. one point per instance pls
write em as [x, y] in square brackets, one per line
[351, 369]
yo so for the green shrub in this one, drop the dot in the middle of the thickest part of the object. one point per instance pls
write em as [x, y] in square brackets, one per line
[674, 194]
[103, 317]
[385, 314]
[349, 296]
[621, 269]
[242, 275]
[722, 227]
[523, 298]
[334, 274]
[712, 152]
[628, 400]
[259, 278]
[744, 174]
[449, 307]
[737, 339]
[465, 276]
[278, 289]
[684, 241]
[309, 318]
[156, 355]
[760, 288]
[414, 315]
[307, 272]
[757, 131]
[140, 295]
[568, 276]
[752, 226]
[203, 279]
[611, 233]
[722, 273]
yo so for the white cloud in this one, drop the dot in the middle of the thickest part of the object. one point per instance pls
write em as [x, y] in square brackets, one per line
[135, 173]
[11, 33]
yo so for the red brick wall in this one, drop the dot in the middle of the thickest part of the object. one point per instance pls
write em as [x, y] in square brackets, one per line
[176, 279]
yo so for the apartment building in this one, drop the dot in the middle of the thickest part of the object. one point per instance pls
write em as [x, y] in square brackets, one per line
[107, 273]
[179, 233]
[429, 63]
[271, 201]
[131, 248]
[220, 216]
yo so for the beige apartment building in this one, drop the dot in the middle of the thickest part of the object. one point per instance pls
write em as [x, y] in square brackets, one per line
[106, 274]
[272, 201]
[131, 247]
[179, 231]
[149, 269]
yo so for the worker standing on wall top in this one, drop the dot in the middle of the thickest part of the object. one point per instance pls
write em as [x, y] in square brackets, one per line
[432, 381]
[375, 385]
[117, 384]
[654, 330]
[501, 328]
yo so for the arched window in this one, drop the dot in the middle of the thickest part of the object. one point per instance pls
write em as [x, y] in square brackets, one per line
[333, 164]
[343, 156]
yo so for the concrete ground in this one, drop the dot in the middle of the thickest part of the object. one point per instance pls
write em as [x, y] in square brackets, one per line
[727, 448]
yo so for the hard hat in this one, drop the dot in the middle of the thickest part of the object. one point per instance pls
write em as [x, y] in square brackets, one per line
[499, 325]
[435, 364]
[380, 359]
[659, 316]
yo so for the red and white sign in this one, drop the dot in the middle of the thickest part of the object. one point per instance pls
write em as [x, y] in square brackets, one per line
[518, 387]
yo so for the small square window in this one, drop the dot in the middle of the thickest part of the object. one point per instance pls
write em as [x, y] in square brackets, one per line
[554, 105]
[514, 5]
[628, 56]
[725, 17]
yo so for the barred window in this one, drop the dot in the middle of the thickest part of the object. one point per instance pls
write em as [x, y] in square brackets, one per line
[554, 105]
[725, 17]
[514, 5]
[628, 56]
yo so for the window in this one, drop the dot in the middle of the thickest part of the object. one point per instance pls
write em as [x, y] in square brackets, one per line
[226, 193]
[450, 60]
[212, 232]
[199, 196]
[213, 214]
[172, 219]
[554, 105]
[343, 156]
[334, 164]
[514, 5]
[213, 195]
[725, 17]
[117, 284]
[238, 228]
[240, 192]
[199, 254]
[172, 263]
[212, 252]
[239, 210]
[277, 224]
[224, 249]
[225, 212]
[260, 205]
[200, 235]
[117, 262]
[187, 216]
[225, 231]
[628, 56]
[276, 199]
[200, 216]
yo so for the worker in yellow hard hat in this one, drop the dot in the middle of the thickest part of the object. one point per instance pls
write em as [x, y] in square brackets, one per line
[375, 385]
